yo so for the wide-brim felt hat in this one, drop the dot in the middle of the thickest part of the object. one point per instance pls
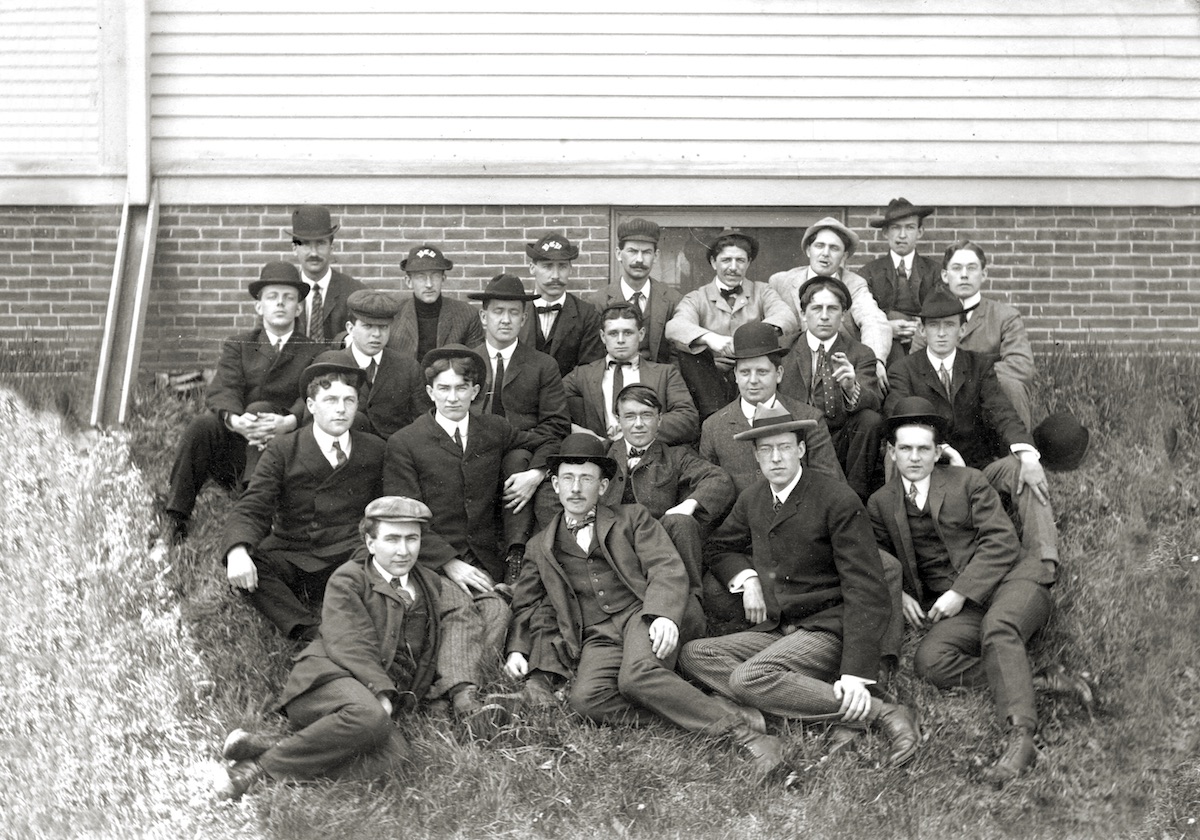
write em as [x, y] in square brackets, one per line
[457, 351]
[503, 287]
[1062, 441]
[373, 304]
[553, 247]
[331, 361]
[312, 221]
[756, 339]
[916, 410]
[899, 208]
[732, 236]
[849, 237]
[398, 509]
[941, 303]
[279, 274]
[425, 258]
[825, 280]
[773, 421]
[583, 447]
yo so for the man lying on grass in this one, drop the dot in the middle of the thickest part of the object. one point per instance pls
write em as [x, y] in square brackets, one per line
[389, 629]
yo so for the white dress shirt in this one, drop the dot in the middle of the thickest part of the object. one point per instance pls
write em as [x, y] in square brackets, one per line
[449, 426]
[325, 442]
[404, 584]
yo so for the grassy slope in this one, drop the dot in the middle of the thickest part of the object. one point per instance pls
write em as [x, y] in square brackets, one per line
[123, 672]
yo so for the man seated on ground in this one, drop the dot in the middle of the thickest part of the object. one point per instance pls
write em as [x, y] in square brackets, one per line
[967, 584]
[836, 374]
[393, 634]
[993, 329]
[428, 318]
[297, 521]
[799, 549]
[252, 400]
[558, 323]
[591, 389]
[604, 597]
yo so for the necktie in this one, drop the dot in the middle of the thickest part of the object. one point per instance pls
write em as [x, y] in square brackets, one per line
[730, 294]
[824, 377]
[339, 454]
[401, 591]
[912, 496]
[546, 310]
[944, 375]
[778, 504]
[901, 272]
[458, 439]
[636, 300]
[618, 371]
[372, 367]
[278, 347]
[315, 313]
[498, 387]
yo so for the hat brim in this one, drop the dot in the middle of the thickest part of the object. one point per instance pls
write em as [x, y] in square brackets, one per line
[887, 218]
[607, 465]
[937, 421]
[835, 225]
[486, 296]
[565, 255]
[301, 287]
[757, 352]
[768, 429]
[426, 264]
[313, 234]
[453, 352]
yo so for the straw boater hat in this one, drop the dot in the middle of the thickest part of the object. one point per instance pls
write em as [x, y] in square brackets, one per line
[583, 447]
[1061, 441]
[457, 351]
[312, 222]
[503, 287]
[916, 410]
[849, 237]
[737, 238]
[332, 361]
[554, 247]
[398, 509]
[279, 274]
[773, 421]
[425, 258]
[899, 208]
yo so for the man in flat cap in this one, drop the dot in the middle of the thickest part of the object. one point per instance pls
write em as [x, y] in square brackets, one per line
[429, 318]
[637, 251]
[297, 521]
[828, 244]
[798, 547]
[393, 635]
[254, 398]
[705, 320]
[325, 312]
[900, 279]
[557, 322]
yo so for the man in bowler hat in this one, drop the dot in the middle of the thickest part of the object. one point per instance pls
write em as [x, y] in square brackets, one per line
[557, 322]
[324, 314]
[429, 318]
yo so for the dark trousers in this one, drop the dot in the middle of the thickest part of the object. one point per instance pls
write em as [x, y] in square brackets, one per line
[209, 451]
[711, 385]
[981, 647]
[517, 527]
[342, 733]
[857, 444]
[287, 595]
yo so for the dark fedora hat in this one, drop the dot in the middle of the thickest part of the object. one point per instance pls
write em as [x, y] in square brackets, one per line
[553, 247]
[773, 421]
[503, 287]
[457, 351]
[425, 258]
[583, 448]
[1062, 441]
[756, 339]
[373, 304]
[848, 237]
[899, 208]
[279, 274]
[312, 221]
[638, 230]
[737, 238]
[331, 361]
[838, 287]
[916, 410]
[940, 303]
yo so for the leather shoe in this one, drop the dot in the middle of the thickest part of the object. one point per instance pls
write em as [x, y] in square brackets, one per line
[841, 737]
[482, 721]
[900, 725]
[512, 564]
[1055, 679]
[765, 751]
[239, 778]
[1018, 757]
[748, 715]
[241, 745]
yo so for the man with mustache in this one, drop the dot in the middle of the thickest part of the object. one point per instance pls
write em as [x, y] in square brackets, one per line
[325, 313]
[558, 323]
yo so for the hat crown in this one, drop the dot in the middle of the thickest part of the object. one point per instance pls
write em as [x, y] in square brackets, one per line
[282, 271]
[731, 236]
[940, 303]
[312, 221]
[398, 509]
[755, 339]
[373, 303]
[1062, 441]
[425, 257]
[849, 237]
[638, 230]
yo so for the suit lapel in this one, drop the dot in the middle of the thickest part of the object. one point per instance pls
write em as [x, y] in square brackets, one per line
[804, 362]
[975, 319]
[309, 455]
[900, 516]
[658, 316]
[593, 384]
[960, 374]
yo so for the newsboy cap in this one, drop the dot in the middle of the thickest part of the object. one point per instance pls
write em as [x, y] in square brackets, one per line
[638, 230]
[373, 304]
[279, 274]
[398, 509]
[553, 246]
[425, 258]
[849, 238]
[312, 221]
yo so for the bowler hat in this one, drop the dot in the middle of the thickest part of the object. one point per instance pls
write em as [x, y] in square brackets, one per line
[331, 361]
[756, 339]
[279, 274]
[425, 258]
[503, 287]
[838, 287]
[311, 221]
[899, 208]
[553, 247]
[915, 410]
[373, 304]
[849, 237]
[773, 421]
[398, 509]
[457, 351]
[1062, 441]
[581, 447]
[638, 230]
[940, 303]
[730, 236]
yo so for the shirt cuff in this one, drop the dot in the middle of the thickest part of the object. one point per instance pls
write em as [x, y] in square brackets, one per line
[738, 584]
[1018, 448]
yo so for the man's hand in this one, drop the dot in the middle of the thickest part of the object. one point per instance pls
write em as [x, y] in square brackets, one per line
[720, 345]
[664, 636]
[685, 508]
[753, 601]
[468, 577]
[948, 605]
[516, 666]
[913, 614]
[1033, 476]
[520, 487]
[244, 424]
[881, 375]
[952, 455]
[843, 371]
[903, 328]
[240, 569]
[856, 700]
[386, 703]
[576, 429]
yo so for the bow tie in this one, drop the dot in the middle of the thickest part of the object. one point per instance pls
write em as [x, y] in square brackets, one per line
[636, 453]
[615, 363]
[555, 307]
[731, 293]
[576, 527]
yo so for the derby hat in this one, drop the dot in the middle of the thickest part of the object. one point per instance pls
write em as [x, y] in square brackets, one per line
[425, 258]
[503, 287]
[773, 421]
[312, 221]
[940, 303]
[457, 351]
[332, 361]
[916, 410]
[756, 339]
[849, 237]
[1062, 441]
[899, 208]
[638, 230]
[586, 448]
[731, 236]
[373, 304]
[839, 288]
[398, 509]
[279, 274]
[553, 247]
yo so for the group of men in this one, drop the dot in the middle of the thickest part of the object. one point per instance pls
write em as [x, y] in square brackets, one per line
[578, 490]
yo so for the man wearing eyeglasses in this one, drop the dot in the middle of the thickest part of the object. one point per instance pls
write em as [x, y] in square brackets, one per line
[325, 309]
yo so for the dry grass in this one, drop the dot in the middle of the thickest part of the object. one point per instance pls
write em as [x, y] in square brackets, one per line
[122, 672]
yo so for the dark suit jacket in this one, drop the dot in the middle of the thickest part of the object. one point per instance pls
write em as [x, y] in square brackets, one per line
[680, 422]
[668, 475]
[880, 275]
[396, 398]
[362, 626]
[334, 310]
[462, 489]
[983, 422]
[816, 560]
[458, 324]
[299, 504]
[797, 374]
[639, 551]
[996, 330]
[533, 395]
[251, 371]
[736, 457]
[575, 339]
[969, 517]
[659, 309]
